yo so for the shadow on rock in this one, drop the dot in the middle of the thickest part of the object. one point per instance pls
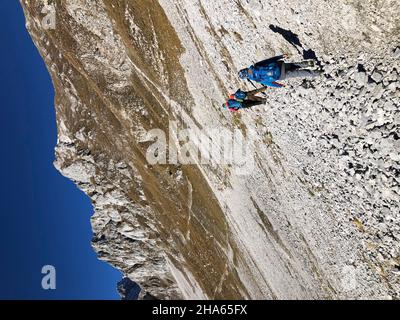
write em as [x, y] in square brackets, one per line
[294, 40]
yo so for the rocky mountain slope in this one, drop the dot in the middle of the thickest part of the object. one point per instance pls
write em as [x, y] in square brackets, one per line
[312, 212]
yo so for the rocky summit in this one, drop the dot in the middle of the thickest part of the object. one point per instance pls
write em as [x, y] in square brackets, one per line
[313, 211]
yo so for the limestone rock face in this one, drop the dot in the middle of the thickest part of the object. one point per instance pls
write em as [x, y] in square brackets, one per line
[313, 212]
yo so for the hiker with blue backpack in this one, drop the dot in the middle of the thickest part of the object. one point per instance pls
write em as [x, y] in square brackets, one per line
[269, 71]
[244, 99]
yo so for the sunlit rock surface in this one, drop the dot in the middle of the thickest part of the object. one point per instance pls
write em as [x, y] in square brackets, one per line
[313, 214]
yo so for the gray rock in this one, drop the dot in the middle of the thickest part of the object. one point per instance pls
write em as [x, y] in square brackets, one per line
[396, 53]
[376, 76]
[378, 91]
[361, 78]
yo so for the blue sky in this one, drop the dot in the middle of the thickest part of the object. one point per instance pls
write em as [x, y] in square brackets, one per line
[45, 219]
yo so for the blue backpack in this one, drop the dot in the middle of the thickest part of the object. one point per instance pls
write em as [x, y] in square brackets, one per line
[234, 104]
[265, 74]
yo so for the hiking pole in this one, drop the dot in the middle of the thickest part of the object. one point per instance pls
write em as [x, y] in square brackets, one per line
[256, 87]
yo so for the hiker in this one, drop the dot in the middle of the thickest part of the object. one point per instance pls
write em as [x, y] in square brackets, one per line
[267, 72]
[243, 100]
